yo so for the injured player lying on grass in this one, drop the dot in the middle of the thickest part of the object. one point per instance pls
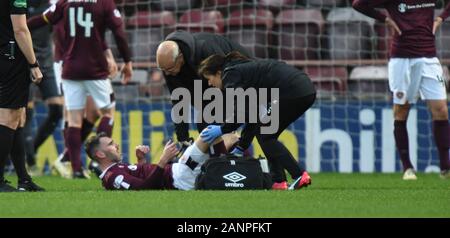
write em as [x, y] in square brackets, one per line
[181, 175]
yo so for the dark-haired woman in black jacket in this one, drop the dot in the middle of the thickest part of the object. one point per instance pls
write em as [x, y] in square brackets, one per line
[296, 95]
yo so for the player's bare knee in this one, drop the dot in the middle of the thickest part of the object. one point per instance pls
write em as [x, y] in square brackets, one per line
[58, 100]
[107, 112]
[203, 146]
[401, 111]
[230, 139]
[439, 112]
[12, 118]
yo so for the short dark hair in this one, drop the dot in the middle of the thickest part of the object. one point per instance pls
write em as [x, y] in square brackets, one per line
[92, 145]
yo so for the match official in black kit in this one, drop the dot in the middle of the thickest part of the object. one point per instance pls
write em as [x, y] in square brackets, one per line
[17, 60]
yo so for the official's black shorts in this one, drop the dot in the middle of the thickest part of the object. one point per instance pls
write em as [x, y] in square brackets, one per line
[14, 82]
[48, 87]
[43, 50]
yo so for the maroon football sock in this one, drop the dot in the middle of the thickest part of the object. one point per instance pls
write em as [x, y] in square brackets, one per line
[86, 129]
[401, 141]
[106, 126]
[73, 140]
[441, 137]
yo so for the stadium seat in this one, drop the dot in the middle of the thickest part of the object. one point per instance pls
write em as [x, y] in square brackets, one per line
[225, 6]
[176, 5]
[277, 5]
[297, 34]
[443, 38]
[139, 77]
[384, 40]
[349, 34]
[329, 81]
[251, 28]
[384, 36]
[126, 93]
[148, 30]
[323, 4]
[111, 42]
[369, 82]
[201, 21]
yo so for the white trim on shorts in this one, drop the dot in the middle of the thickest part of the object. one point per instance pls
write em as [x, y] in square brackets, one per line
[76, 91]
[411, 78]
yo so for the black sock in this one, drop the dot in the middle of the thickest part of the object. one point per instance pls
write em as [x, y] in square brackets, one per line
[18, 156]
[28, 134]
[6, 138]
[86, 129]
[55, 113]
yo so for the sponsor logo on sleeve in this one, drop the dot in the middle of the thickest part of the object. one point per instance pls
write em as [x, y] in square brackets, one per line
[402, 7]
[20, 3]
[132, 167]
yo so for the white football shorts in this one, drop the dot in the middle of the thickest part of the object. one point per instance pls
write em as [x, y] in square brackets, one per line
[409, 78]
[183, 176]
[76, 91]
[57, 67]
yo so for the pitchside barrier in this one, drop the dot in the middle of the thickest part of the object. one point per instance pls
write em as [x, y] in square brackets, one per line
[358, 139]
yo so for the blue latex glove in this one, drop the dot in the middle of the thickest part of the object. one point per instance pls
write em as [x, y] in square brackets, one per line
[211, 132]
[237, 151]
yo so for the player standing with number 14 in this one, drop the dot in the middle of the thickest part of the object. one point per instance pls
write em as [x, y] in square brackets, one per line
[85, 68]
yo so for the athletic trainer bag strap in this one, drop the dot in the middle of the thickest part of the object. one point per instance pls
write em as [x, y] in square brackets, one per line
[229, 172]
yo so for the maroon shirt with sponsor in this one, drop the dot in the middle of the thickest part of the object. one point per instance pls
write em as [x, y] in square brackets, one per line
[414, 18]
[84, 25]
[122, 176]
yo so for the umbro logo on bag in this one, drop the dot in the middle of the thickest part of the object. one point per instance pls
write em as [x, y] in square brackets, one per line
[234, 177]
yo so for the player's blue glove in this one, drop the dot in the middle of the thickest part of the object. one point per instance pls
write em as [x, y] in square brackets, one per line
[211, 133]
[237, 151]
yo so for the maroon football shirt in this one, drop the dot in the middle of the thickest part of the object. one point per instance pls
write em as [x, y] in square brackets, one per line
[414, 18]
[85, 23]
[123, 176]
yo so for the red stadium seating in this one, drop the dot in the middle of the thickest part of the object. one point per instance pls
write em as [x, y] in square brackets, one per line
[150, 30]
[443, 38]
[323, 3]
[277, 4]
[349, 34]
[251, 28]
[384, 38]
[176, 5]
[225, 6]
[328, 80]
[202, 21]
[297, 33]
[369, 81]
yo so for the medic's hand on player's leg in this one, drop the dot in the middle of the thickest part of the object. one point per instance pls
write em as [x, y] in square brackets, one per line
[211, 133]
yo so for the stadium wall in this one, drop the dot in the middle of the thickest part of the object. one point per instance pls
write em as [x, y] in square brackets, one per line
[360, 139]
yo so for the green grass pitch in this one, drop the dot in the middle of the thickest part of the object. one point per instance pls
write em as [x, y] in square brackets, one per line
[331, 195]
